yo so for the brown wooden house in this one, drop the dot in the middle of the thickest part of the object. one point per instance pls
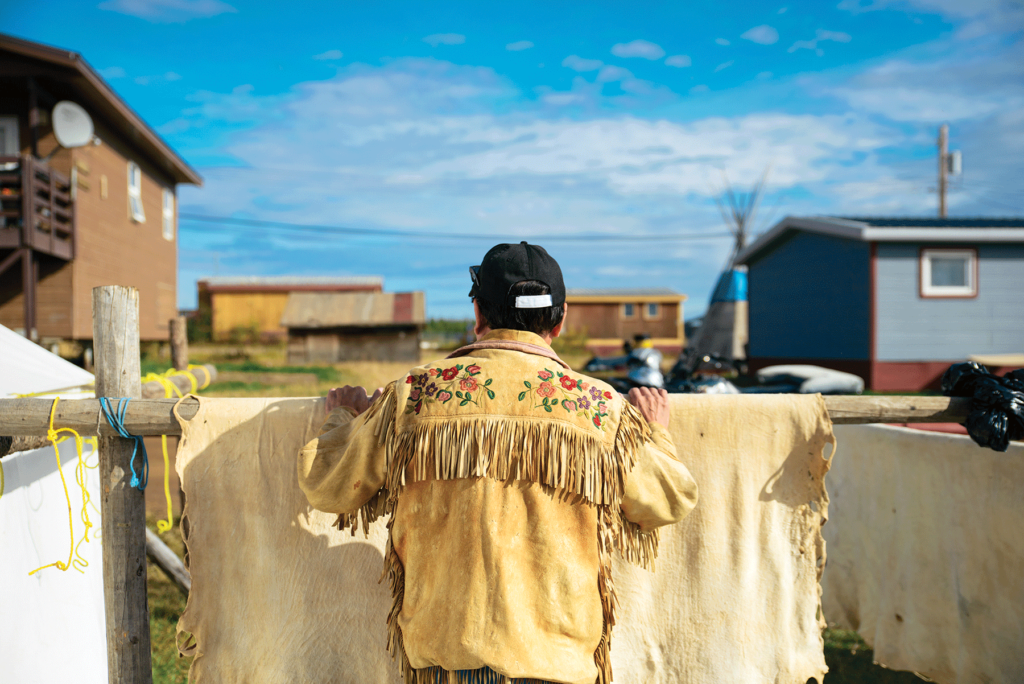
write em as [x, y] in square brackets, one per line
[73, 219]
[251, 306]
[354, 326]
[611, 317]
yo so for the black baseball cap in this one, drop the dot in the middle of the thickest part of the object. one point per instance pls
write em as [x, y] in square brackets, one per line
[506, 265]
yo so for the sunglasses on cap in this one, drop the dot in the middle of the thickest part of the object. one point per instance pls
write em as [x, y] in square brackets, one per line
[474, 275]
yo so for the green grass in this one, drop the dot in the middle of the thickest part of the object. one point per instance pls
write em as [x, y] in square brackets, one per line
[849, 661]
[323, 373]
[166, 604]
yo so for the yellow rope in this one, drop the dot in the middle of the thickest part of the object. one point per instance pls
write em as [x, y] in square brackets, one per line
[206, 383]
[163, 379]
[82, 476]
[53, 436]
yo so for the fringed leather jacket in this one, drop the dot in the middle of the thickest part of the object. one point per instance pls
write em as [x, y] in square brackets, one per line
[509, 480]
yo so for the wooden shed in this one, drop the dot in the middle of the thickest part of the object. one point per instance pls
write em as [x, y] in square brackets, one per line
[354, 326]
[611, 317]
[893, 300]
[74, 219]
[253, 305]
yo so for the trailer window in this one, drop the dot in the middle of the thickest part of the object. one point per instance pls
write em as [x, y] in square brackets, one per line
[949, 273]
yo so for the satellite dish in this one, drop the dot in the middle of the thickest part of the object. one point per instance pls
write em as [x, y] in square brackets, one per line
[71, 125]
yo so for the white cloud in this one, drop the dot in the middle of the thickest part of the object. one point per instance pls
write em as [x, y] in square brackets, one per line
[577, 63]
[724, 65]
[611, 73]
[698, 89]
[436, 39]
[329, 55]
[113, 72]
[167, 11]
[820, 36]
[977, 18]
[678, 61]
[782, 10]
[160, 78]
[519, 45]
[763, 35]
[722, 41]
[764, 75]
[638, 48]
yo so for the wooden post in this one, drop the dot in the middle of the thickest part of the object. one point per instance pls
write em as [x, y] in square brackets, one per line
[179, 360]
[179, 342]
[115, 332]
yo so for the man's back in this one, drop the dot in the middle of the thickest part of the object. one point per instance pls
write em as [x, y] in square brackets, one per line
[510, 479]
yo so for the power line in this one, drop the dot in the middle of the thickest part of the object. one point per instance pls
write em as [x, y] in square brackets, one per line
[226, 221]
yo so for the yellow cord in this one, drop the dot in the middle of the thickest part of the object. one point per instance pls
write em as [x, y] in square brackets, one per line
[163, 379]
[82, 477]
[206, 383]
[53, 435]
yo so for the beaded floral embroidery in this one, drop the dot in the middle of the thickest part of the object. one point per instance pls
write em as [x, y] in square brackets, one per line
[577, 397]
[441, 385]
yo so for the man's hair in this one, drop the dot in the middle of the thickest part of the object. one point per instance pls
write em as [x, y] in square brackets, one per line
[538, 321]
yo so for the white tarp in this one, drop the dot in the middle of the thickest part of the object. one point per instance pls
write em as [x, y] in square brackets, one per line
[52, 623]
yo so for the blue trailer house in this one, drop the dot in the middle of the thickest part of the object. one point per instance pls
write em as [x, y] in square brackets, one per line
[893, 300]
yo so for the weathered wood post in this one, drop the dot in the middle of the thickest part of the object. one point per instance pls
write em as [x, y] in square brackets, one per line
[179, 342]
[179, 360]
[115, 334]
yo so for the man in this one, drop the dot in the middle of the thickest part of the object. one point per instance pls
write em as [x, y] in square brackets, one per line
[509, 480]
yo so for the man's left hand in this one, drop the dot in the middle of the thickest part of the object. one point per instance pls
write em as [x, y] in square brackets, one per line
[354, 398]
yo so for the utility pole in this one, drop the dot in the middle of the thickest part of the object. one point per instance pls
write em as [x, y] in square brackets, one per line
[943, 167]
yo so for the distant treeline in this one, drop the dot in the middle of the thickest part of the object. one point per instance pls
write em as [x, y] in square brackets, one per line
[446, 326]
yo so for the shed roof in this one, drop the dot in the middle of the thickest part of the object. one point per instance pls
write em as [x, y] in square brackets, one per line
[890, 229]
[102, 98]
[608, 294]
[353, 309]
[291, 283]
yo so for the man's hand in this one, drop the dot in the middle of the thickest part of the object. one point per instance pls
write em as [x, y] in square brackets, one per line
[354, 398]
[653, 404]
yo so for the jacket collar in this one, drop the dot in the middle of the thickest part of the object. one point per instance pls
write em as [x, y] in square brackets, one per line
[506, 334]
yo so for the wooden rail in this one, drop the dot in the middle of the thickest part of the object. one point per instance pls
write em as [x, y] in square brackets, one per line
[27, 417]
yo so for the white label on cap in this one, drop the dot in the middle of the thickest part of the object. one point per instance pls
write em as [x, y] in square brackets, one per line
[534, 302]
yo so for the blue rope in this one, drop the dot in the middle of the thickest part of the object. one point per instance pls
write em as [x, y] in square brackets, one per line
[116, 420]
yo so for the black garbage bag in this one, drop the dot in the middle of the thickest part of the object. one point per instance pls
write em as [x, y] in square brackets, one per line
[997, 403]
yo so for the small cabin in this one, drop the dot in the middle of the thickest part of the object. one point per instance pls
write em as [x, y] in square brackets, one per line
[245, 307]
[611, 317]
[893, 300]
[102, 212]
[329, 327]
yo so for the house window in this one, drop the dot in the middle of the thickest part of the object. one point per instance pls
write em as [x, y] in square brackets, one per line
[135, 193]
[949, 273]
[9, 136]
[628, 310]
[652, 311]
[168, 215]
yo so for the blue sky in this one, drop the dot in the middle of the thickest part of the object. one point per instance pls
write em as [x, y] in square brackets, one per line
[544, 121]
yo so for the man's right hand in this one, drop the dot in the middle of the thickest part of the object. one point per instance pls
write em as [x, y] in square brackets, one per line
[354, 398]
[653, 404]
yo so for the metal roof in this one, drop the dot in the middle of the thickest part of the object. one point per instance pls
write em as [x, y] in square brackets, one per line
[102, 97]
[623, 292]
[900, 222]
[891, 229]
[353, 309]
[284, 282]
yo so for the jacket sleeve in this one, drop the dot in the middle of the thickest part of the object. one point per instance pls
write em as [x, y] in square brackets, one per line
[659, 490]
[344, 467]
